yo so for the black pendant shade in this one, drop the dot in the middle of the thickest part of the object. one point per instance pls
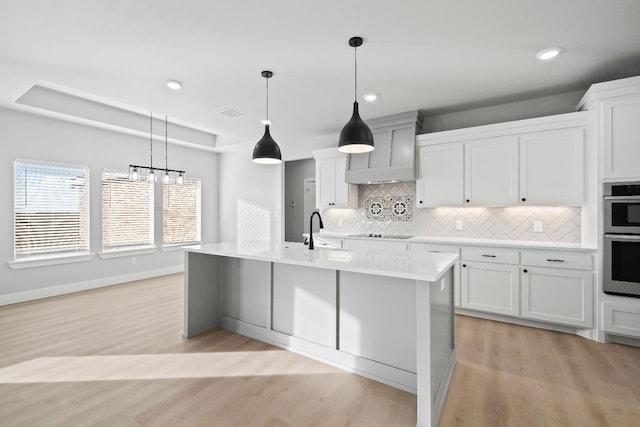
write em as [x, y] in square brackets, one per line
[266, 150]
[356, 137]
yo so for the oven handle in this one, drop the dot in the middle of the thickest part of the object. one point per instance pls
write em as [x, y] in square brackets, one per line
[623, 198]
[622, 236]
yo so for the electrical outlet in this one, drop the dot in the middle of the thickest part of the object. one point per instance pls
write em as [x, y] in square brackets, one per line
[537, 226]
[134, 260]
[459, 225]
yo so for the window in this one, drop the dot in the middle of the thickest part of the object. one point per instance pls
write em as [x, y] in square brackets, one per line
[127, 212]
[51, 210]
[181, 212]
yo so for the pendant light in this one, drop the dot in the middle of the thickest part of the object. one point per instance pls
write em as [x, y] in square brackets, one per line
[136, 171]
[356, 137]
[266, 150]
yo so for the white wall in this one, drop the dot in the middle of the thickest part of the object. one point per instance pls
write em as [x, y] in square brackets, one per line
[35, 137]
[252, 189]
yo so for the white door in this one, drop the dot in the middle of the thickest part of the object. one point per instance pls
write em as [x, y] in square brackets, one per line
[326, 182]
[490, 287]
[552, 167]
[441, 175]
[491, 172]
[621, 150]
[558, 295]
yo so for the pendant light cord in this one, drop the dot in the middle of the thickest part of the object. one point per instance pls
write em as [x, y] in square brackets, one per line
[151, 137]
[355, 73]
[267, 79]
[166, 145]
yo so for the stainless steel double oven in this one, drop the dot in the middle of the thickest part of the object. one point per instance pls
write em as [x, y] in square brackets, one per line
[622, 239]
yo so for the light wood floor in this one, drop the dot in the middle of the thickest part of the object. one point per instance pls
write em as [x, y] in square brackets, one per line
[115, 357]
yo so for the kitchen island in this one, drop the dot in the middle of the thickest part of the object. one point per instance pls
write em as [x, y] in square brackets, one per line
[384, 315]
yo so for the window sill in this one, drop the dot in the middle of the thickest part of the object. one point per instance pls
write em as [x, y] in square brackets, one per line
[55, 260]
[121, 253]
[177, 247]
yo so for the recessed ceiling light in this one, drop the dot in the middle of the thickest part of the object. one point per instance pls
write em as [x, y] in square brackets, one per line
[547, 54]
[174, 84]
[370, 97]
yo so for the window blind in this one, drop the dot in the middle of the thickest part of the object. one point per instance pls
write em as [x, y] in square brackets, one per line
[127, 212]
[181, 212]
[51, 207]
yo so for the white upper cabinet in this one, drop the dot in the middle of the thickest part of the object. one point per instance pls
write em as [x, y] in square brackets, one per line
[331, 189]
[552, 167]
[536, 161]
[441, 175]
[621, 138]
[616, 107]
[491, 172]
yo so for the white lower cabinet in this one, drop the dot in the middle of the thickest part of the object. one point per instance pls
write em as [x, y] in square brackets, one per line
[490, 287]
[538, 284]
[621, 319]
[557, 295]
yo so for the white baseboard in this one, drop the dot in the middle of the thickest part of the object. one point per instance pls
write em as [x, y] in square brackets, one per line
[86, 285]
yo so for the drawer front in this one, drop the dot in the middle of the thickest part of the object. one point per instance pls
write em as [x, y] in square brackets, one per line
[621, 319]
[558, 259]
[487, 254]
[434, 247]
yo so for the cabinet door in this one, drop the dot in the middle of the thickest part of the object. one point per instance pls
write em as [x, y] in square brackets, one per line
[491, 172]
[558, 295]
[552, 167]
[341, 197]
[441, 175]
[325, 182]
[490, 287]
[332, 190]
[621, 127]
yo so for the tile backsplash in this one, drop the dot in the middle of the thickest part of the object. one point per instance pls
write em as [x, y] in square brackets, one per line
[559, 224]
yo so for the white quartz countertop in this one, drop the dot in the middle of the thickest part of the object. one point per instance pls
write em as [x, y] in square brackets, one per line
[472, 242]
[413, 265]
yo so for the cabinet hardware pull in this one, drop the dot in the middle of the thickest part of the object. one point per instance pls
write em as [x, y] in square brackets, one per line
[555, 260]
[490, 256]
[524, 199]
[464, 265]
[467, 200]
[525, 271]
[434, 252]
[420, 202]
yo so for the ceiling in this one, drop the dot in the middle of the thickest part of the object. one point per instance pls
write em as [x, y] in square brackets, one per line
[435, 56]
